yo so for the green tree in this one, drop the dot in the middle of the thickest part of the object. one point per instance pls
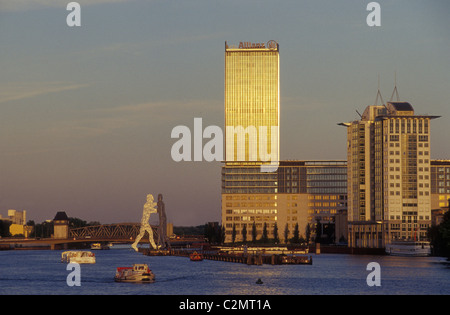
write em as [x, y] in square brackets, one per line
[233, 234]
[254, 233]
[244, 234]
[444, 231]
[286, 233]
[4, 228]
[276, 239]
[222, 235]
[296, 238]
[318, 230]
[265, 237]
[439, 237]
[307, 233]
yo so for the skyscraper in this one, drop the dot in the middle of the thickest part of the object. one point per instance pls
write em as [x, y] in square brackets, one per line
[252, 102]
[388, 174]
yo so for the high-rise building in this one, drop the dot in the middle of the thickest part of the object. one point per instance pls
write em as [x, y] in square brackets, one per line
[389, 178]
[252, 102]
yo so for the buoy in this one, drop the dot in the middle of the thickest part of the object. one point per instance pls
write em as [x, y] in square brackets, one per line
[259, 281]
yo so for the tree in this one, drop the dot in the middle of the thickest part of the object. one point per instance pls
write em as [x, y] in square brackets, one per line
[265, 237]
[286, 233]
[276, 239]
[307, 233]
[296, 238]
[254, 232]
[4, 228]
[233, 234]
[244, 233]
[222, 235]
[444, 231]
[440, 237]
[318, 230]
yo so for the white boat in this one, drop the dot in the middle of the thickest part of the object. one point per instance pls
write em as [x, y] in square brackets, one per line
[409, 248]
[78, 256]
[139, 273]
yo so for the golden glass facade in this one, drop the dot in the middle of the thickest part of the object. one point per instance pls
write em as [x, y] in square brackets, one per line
[252, 102]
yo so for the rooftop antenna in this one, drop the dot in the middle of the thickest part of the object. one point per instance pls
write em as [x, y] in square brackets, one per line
[395, 88]
[379, 94]
[358, 113]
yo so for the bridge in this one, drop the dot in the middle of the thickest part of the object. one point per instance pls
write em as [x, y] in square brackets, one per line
[124, 233]
[111, 233]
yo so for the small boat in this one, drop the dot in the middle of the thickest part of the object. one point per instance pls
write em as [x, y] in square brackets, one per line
[196, 256]
[139, 273]
[97, 246]
[296, 260]
[409, 248]
[78, 256]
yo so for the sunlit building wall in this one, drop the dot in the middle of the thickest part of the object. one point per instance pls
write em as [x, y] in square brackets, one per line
[440, 184]
[299, 193]
[252, 101]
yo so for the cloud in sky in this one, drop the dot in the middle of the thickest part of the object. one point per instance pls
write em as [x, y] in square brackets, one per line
[13, 91]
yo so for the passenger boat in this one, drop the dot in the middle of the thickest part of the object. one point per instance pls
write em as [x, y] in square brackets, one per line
[79, 257]
[409, 248]
[97, 246]
[196, 256]
[139, 273]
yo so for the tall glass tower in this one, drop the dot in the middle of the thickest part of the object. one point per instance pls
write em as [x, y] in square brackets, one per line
[252, 102]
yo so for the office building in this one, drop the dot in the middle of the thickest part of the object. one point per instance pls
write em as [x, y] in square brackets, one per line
[389, 175]
[440, 184]
[252, 102]
[299, 193]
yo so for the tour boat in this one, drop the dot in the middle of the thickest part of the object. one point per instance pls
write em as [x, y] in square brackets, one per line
[196, 256]
[79, 257]
[409, 248]
[139, 273]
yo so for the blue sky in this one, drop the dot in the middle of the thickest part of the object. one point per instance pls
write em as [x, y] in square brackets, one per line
[86, 112]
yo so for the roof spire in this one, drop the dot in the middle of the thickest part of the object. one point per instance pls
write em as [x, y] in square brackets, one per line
[395, 88]
[378, 93]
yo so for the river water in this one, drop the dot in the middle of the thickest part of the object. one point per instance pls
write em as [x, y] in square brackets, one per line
[38, 272]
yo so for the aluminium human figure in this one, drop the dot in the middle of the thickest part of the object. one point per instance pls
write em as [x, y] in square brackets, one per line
[149, 208]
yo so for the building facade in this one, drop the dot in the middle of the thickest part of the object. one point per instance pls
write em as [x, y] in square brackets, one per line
[389, 175]
[252, 102]
[299, 193]
[440, 184]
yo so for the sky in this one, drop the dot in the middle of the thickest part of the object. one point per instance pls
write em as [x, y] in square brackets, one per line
[86, 112]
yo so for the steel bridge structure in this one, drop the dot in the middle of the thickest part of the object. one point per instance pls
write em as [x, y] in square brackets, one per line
[110, 232]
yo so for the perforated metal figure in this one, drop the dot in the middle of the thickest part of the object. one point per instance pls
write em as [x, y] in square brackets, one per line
[149, 208]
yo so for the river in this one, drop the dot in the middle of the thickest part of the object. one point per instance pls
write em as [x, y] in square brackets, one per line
[38, 272]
